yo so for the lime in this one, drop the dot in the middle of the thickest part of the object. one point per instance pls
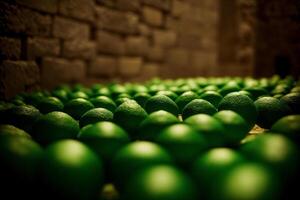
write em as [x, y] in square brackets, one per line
[275, 150]
[168, 93]
[104, 102]
[9, 130]
[62, 95]
[289, 126]
[212, 97]
[95, 115]
[141, 98]
[209, 167]
[183, 142]
[50, 104]
[242, 105]
[161, 102]
[55, 126]
[105, 138]
[161, 182]
[154, 123]
[198, 106]
[270, 110]
[77, 95]
[71, 171]
[77, 107]
[185, 98]
[129, 115]
[134, 156]
[235, 126]
[231, 86]
[23, 117]
[293, 101]
[20, 158]
[247, 181]
[211, 128]
[121, 100]
[256, 91]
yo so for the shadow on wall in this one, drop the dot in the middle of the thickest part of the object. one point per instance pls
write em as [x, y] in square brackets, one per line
[282, 65]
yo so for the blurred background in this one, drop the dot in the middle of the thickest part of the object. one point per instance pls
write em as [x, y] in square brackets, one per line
[47, 43]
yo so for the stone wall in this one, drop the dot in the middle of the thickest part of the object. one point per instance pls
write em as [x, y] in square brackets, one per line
[46, 43]
[278, 41]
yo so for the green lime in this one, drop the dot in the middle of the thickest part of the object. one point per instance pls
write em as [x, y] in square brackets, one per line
[198, 106]
[77, 95]
[62, 95]
[270, 110]
[185, 98]
[160, 182]
[183, 142]
[77, 107]
[20, 158]
[121, 100]
[212, 97]
[104, 102]
[50, 104]
[141, 98]
[71, 171]
[55, 126]
[247, 181]
[161, 102]
[105, 138]
[235, 126]
[209, 167]
[242, 105]
[9, 130]
[129, 115]
[231, 86]
[95, 115]
[289, 126]
[211, 128]
[154, 123]
[275, 150]
[134, 156]
[256, 91]
[293, 101]
[168, 93]
[22, 117]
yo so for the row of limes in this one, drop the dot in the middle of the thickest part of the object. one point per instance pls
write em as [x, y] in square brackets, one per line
[165, 139]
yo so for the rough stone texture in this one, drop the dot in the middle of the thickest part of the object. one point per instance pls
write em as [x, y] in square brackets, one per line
[49, 6]
[38, 47]
[155, 53]
[161, 4]
[128, 5]
[136, 46]
[79, 49]
[70, 29]
[10, 48]
[79, 9]
[110, 43]
[55, 71]
[150, 70]
[117, 21]
[152, 16]
[164, 38]
[179, 8]
[129, 66]
[17, 76]
[103, 66]
[17, 20]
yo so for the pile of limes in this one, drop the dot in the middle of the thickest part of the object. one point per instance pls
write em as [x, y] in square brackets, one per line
[227, 138]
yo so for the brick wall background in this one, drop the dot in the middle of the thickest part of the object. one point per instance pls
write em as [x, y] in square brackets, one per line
[46, 43]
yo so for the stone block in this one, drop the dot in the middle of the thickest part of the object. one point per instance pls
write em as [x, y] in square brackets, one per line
[144, 30]
[84, 49]
[49, 6]
[155, 53]
[10, 48]
[178, 57]
[55, 71]
[164, 38]
[129, 66]
[136, 45]
[128, 5]
[17, 76]
[38, 47]
[117, 21]
[18, 20]
[110, 43]
[161, 4]
[103, 66]
[152, 16]
[70, 29]
[179, 8]
[79, 9]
